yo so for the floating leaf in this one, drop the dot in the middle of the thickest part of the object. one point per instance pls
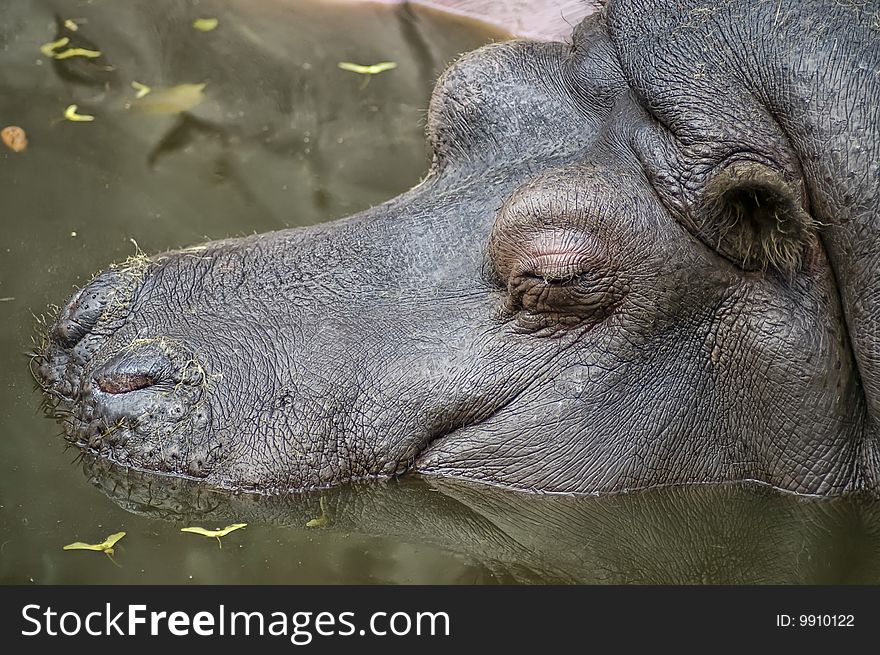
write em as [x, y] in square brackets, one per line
[215, 533]
[206, 24]
[71, 25]
[142, 89]
[105, 546]
[322, 520]
[71, 115]
[14, 138]
[372, 69]
[171, 100]
[49, 49]
[77, 52]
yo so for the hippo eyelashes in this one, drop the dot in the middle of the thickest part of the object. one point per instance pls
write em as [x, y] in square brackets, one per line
[545, 305]
[556, 280]
[755, 218]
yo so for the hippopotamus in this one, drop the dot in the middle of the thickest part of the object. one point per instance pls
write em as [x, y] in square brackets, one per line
[643, 256]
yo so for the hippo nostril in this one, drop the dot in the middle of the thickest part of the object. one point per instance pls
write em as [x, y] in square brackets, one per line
[68, 333]
[116, 383]
[85, 308]
[143, 363]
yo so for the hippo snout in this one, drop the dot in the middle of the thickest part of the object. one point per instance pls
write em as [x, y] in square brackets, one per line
[137, 399]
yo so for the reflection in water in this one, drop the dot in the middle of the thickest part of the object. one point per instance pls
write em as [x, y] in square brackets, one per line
[678, 535]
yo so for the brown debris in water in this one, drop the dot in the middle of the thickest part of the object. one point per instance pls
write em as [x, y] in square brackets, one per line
[14, 138]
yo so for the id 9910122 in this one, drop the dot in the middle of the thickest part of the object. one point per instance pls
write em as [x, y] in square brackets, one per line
[815, 620]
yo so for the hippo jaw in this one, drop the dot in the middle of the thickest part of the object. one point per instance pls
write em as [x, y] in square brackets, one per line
[593, 291]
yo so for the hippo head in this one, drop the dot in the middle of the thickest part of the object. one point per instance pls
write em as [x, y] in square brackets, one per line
[647, 257]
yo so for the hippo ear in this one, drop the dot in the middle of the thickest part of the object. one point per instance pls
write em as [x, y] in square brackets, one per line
[756, 218]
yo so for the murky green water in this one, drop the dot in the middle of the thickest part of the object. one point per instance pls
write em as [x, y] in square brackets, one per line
[283, 137]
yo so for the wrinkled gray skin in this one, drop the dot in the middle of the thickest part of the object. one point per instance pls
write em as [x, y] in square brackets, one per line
[647, 258]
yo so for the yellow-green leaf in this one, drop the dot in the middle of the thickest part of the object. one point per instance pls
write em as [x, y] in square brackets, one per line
[171, 100]
[372, 69]
[320, 521]
[105, 546]
[71, 115]
[49, 49]
[221, 532]
[76, 52]
[142, 89]
[206, 24]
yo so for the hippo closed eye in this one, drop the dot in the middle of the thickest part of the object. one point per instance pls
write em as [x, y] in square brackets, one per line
[647, 257]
